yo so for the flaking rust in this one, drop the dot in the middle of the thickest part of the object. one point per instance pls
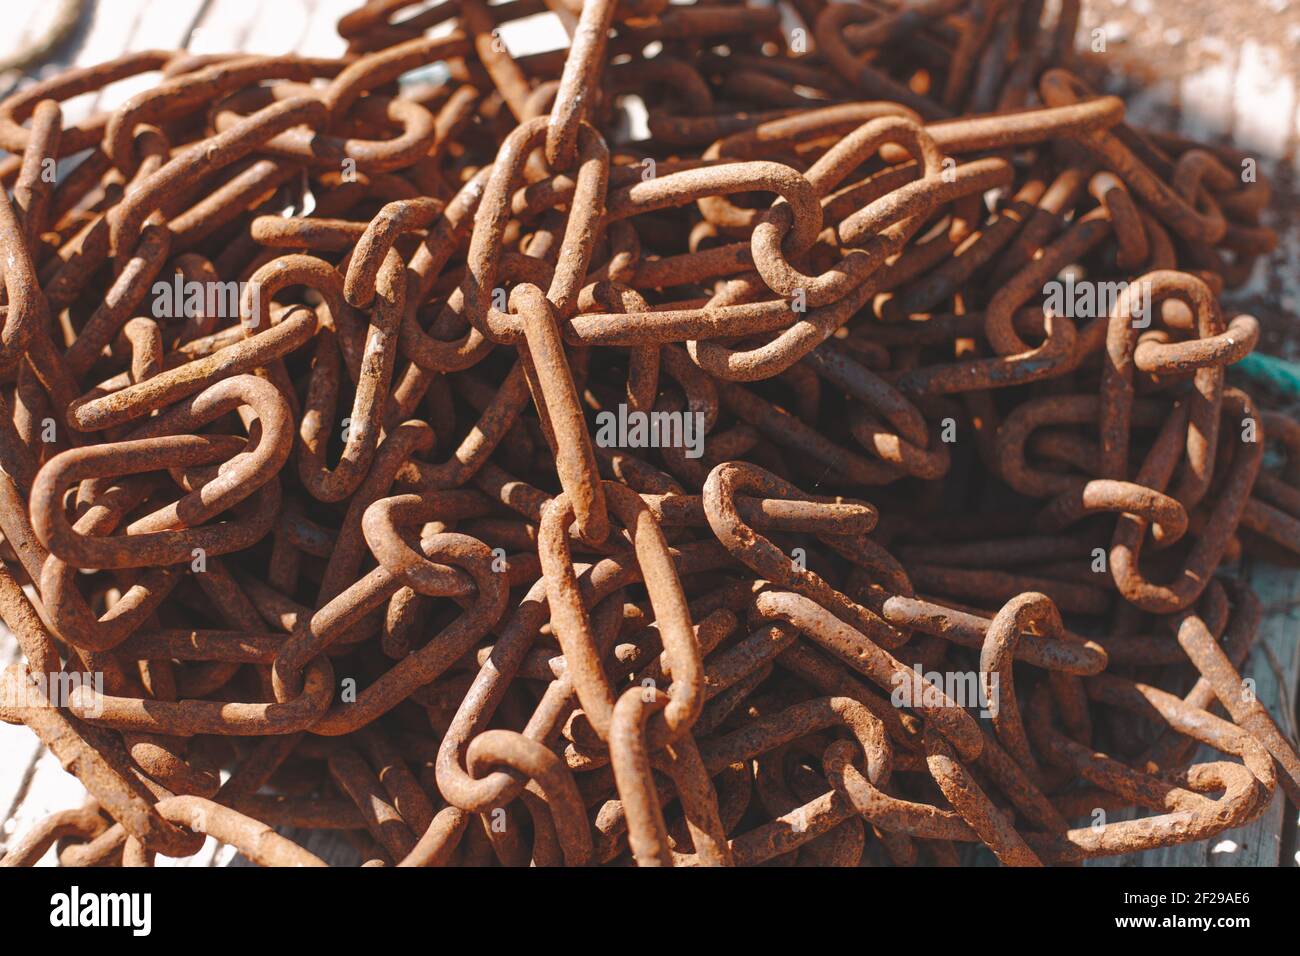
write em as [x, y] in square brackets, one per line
[300, 379]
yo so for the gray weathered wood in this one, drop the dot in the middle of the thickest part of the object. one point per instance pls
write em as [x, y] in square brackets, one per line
[1276, 655]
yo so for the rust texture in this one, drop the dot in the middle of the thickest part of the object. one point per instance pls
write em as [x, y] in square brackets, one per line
[322, 456]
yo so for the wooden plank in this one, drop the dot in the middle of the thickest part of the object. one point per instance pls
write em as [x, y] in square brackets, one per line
[228, 25]
[321, 36]
[1229, 76]
[1273, 665]
[19, 751]
[119, 28]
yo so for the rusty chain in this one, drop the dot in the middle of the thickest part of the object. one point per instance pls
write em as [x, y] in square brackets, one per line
[841, 467]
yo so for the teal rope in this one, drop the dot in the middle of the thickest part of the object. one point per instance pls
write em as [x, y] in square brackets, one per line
[1282, 375]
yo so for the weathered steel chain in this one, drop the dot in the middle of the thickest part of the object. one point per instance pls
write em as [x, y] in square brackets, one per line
[841, 467]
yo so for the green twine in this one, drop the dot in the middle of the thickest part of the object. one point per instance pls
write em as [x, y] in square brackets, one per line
[1282, 375]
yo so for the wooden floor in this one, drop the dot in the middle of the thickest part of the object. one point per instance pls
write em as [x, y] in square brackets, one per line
[1211, 85]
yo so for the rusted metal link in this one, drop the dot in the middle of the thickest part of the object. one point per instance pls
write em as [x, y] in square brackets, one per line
[458, 468]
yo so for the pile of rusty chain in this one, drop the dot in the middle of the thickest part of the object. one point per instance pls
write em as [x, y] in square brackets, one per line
[467, 470]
